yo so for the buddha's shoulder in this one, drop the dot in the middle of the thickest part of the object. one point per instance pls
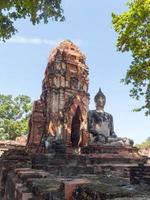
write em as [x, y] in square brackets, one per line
[91, 112]
[102, 113]
[108, 114]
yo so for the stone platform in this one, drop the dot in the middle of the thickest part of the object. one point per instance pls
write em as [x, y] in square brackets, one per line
[99, 173]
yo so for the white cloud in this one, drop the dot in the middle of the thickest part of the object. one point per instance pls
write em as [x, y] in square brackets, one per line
[34, 41]
[39, 41]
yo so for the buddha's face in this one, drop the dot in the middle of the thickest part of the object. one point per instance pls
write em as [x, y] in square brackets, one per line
[100, 102]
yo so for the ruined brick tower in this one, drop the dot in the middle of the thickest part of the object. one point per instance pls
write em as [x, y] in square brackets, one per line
[62, 109]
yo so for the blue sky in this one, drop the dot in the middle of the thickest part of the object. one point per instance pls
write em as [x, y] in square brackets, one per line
[88, 24]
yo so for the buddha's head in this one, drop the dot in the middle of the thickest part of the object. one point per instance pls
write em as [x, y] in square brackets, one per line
[100, 100]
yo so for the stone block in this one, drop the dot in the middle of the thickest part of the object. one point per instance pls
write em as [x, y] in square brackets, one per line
[70, 186]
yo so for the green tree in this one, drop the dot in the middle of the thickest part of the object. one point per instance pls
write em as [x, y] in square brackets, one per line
[35, 10]
[133, 28]
[14, 116]
[145, 144]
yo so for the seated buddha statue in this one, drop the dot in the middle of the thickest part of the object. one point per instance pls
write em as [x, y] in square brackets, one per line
[100, 125]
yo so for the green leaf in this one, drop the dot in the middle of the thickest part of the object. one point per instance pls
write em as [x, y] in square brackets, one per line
[133, 28]
[14, 115]
[35, 10]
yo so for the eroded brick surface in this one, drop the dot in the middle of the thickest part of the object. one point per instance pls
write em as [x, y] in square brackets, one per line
[64, 92]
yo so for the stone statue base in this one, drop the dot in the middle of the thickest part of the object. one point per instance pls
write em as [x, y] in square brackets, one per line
[118, 141]
[111, 141]
[113, 154]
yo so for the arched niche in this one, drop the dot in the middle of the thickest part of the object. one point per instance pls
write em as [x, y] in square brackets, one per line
[75, 128]
[75, 120]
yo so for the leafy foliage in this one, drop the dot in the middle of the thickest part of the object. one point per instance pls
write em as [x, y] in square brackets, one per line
[14, 115]
[35, 10]
[133, 28]
[145, 144]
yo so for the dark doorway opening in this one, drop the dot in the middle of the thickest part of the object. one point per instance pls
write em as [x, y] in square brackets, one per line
[75, 128]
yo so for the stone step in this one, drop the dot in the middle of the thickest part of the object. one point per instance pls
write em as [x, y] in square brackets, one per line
[107, 158]
[70, 170]
[19, 187]
[26, 173]
[15, 189]
[140, 174]
[83, 160]
[45, 188]
[66, 171]
[98, 149]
